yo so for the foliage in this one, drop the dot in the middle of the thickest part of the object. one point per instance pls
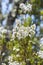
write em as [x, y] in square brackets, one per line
[20, 45]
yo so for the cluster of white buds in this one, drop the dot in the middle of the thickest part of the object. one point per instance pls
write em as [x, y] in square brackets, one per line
[14, 63]
[18, 22]
[3, 31]
[19, 30]
[10, 58]
[26, 8]
[22, 31]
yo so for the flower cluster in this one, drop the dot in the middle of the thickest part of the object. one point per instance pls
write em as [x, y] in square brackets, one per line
[18, 22]
[26, 8]
[22, 31]
[14, 63]
[11, 62]
[40, 54]
[10, 58]
[19, 31]
[3, 31]
[14, 48]
[3, 64]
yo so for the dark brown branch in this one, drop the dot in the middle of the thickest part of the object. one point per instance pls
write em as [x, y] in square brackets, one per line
[11, 19]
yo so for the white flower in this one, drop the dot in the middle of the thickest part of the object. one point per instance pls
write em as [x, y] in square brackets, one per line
[14, 48]
[3, 54]
[18, 35]
[40, 53]
[17, 49]
[10, 63]
[13, 13]
[32, 32]
[4, 31]
[24, 34]
[23, 7]
[17, 55]
[18, 64]
[13, 35]
[18, 22]
[14, 63]
[26, 8]
[22, 31]
[10, 58]
[1, 27]
[33, 26]
[29, 7]
[3, 64]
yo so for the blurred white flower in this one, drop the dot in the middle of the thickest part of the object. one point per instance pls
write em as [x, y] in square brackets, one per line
[3, 64]
[3, 54]
[1, 35]
[33, 26]
[40, 53]
[4, 31]
[23, 7]
[22, 31]
[32, 32]
[17, 49]
[10, 63]
[18, 22]
[14, 63]
[13, 35]
[14, 48]
[10, 58]
[17, 55]
[14, 12]
[19, 31]
[18, 35]
[29, 7]
[1, 27]
[26, 8]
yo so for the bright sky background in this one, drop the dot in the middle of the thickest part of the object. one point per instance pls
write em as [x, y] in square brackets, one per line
[6, 7]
